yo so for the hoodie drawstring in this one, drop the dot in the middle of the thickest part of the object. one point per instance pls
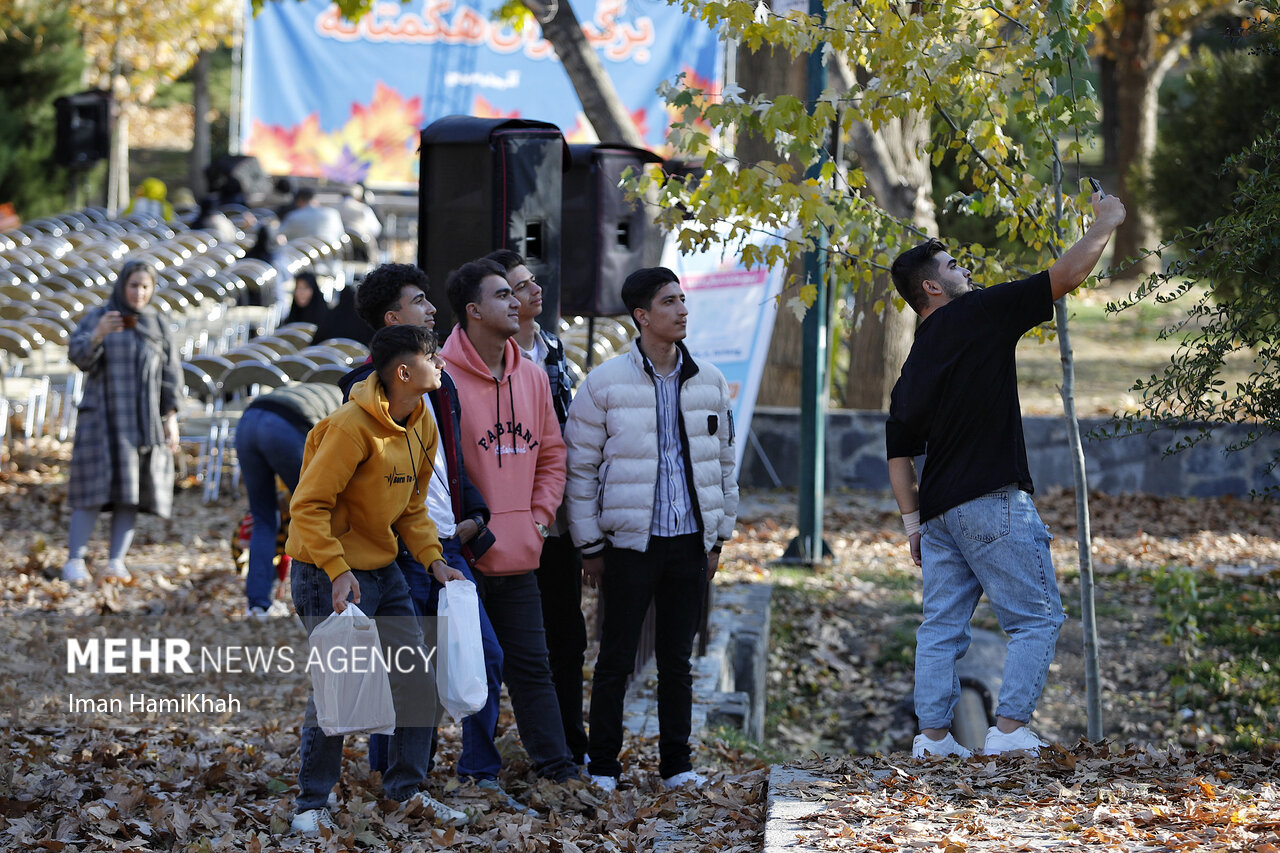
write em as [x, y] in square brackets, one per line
[511, 402]
[497, 406]
[412, 462]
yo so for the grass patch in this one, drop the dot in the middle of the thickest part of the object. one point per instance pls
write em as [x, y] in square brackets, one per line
[899, 648]
[1227, 632]
[893, 581]
[735, 740]
[1111, 351]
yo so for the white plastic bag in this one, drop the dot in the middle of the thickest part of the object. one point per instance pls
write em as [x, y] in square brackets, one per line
[460, 678]
[349, 676]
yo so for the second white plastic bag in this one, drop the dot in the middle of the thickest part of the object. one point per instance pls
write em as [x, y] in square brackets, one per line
[460, 678]
[350, 679]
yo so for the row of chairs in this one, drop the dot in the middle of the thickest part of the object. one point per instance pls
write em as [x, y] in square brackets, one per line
[218, 387]
[54, 269]
[591, 341]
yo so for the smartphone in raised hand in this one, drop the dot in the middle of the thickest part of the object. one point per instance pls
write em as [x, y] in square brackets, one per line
[1097, 187]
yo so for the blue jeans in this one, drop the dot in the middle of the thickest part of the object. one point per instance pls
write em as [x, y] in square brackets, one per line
[515, 611]
[996, 544]
[426, 598]
[384, 597]
[267, 445]
[671, 573]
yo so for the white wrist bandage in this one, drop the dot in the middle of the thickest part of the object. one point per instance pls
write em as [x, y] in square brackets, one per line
[911, 521]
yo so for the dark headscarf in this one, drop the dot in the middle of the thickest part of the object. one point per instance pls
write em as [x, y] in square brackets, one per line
[316, 310]
[148, 320]
[343, 321]
[265, 247]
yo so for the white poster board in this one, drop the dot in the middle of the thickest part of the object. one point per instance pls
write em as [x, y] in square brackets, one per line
[731, 315]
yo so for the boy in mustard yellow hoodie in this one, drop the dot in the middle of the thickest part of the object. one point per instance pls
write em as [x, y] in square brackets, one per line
[363, 474]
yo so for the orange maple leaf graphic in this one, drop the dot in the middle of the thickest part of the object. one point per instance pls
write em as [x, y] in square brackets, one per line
[481, 108]
[390, 119]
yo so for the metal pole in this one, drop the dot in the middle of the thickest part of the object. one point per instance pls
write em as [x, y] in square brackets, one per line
[808, 548]
[237, 81]
[1084, 534]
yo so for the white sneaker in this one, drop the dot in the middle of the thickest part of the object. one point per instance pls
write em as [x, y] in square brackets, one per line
[924, 746]
[75, 571]
[441, 813]
[310, 821]
[688, 777]
[606, 784]
[1020, 739]
[117, 572]
[277, 610]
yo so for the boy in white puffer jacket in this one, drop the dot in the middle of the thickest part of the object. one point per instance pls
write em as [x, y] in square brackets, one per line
[651, 497]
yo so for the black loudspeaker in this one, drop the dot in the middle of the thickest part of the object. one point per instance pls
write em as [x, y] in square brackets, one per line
[491, 184]
[605, 237]
[83, 128]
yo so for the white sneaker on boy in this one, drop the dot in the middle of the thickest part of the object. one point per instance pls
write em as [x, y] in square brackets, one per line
[924, 746]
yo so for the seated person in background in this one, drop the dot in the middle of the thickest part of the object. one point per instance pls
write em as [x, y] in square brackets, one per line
[149, 200]
[342, 321]
[215, 221]
[309, 305]
[309, 218]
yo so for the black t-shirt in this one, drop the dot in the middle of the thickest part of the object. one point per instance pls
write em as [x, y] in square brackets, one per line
[957, 397]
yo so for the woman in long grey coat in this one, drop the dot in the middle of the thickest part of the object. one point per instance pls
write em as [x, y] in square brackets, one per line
[127, 427]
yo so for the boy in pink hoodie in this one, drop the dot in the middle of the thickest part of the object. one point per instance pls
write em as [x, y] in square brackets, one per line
[513, 451]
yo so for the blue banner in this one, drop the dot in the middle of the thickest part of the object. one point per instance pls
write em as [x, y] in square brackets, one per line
[326, 97]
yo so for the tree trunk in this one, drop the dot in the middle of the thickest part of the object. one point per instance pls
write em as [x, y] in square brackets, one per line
[902, 183]
[1137, 76]
[878, 345]
[783, 368]
[600, 102]
[118, 163]
[200, 142]
[1109, 129]
[901, 180]
[772, 73]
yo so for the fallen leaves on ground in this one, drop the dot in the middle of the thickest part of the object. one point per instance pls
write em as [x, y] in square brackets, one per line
[837, 684]
[77, 780]
[1090, 797]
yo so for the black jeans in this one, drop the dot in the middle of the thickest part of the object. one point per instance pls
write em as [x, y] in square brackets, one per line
[672, 573]
[560, 583]
[515, 611]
